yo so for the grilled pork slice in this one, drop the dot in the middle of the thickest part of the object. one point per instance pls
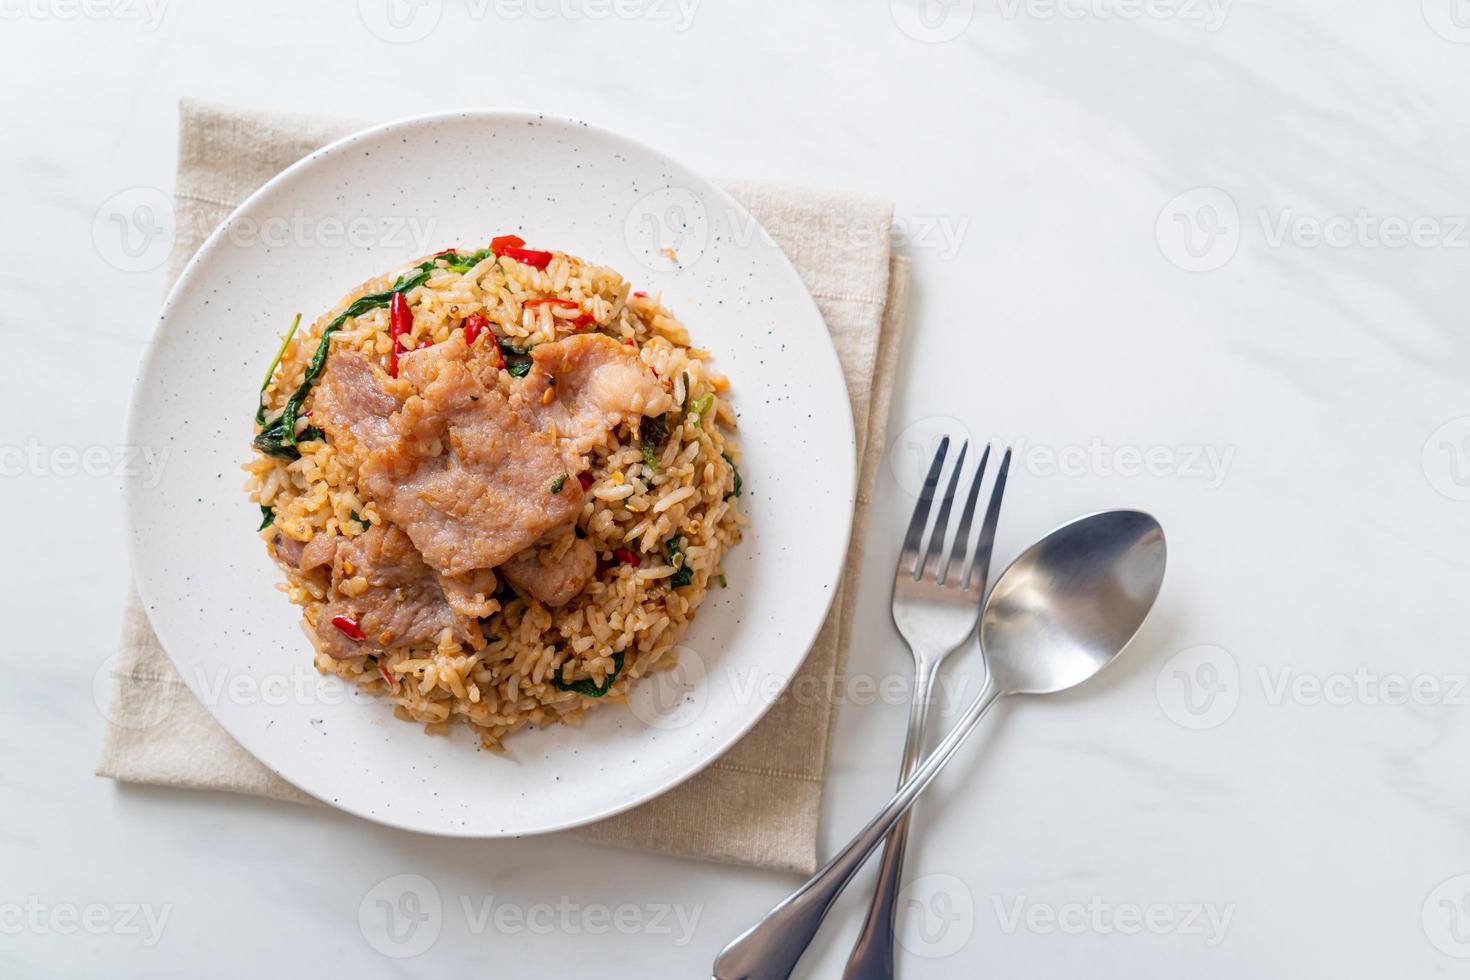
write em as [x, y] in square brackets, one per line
[596, 383]
[466, 477]
[352, 406]
[471, 476]
[381, 589]
[472, 594]
[552, 578]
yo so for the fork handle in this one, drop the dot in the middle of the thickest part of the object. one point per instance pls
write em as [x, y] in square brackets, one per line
[872, 954]
[769, 949]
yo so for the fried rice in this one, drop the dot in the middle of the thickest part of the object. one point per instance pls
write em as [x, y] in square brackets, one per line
[660, 514]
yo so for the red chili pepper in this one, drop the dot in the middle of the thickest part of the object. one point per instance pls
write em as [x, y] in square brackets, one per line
[629, 342]
[349, 627]
[583, 320]
[400, 322]
[627, 557]
[503, 242]
[447, 251]
[535, 258]
[392, 681]
[640, 294]
[585, 479]
[474, 325]
[514, 246]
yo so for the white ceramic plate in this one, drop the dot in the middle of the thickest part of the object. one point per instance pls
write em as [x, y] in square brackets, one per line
[368, 204]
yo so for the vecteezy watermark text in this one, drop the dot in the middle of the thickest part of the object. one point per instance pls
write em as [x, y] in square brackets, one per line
[569, 917]
[673, 226]
[1201, 687]
[38, 917]
[1362, 686]
[1202, 229]
[406, 233]
[1207, 464]
[148, 14]
[938, 21]
[910, 452]
[1099, 917]
[403, 916]
[1211, 14]
[34, 458]
[408, 21]
[1362, 229]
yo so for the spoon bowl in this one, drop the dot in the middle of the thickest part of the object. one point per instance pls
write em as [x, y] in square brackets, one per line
[1069, 605]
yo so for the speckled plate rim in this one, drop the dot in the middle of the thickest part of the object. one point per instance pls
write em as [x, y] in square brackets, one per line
[829, 556]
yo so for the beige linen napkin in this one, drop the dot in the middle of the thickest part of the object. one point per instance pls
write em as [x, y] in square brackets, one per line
[756, 805]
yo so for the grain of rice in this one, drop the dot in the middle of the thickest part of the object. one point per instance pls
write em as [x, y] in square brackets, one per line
[675, 497]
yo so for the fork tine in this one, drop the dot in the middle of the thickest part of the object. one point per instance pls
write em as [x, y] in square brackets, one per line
[967, 516]
[936, 552]
[979, 572]
[909, 559]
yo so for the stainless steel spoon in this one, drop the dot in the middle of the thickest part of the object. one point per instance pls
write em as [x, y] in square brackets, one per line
[1059, 614]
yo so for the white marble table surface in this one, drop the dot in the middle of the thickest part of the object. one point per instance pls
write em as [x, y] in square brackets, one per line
[1200, 257]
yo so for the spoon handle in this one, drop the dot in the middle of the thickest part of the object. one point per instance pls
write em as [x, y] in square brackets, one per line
[769, 949]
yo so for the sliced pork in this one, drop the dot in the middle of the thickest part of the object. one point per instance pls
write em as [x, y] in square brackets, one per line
[552, 578]
[318, 553]
[472, 594]
[287, 551]
[473, 477]
[352, 405]
[596, 383]
[382, 588]
[469, 480]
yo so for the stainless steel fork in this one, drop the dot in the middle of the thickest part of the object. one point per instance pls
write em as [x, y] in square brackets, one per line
[935, 611]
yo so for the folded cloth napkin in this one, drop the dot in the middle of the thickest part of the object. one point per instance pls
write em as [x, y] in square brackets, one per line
[758, 804]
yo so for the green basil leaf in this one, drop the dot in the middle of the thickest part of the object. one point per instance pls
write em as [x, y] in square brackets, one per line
[735, 492]
[684, 575]
[585, 687]
[279, 436]
[270, 371]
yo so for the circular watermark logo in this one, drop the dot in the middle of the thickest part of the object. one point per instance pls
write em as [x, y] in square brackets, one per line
[911, 453]
[1450, 19]
[669, 699]
[1199, 688]
[401, 916]
[1199, 231]
[1446, 917]
[400, 21]
[667, 228]
[936, 914]
[133, 708]
[133, 230]
[1446, 459]
[932, 21]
